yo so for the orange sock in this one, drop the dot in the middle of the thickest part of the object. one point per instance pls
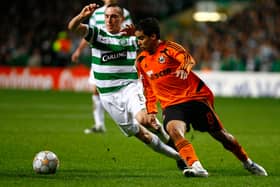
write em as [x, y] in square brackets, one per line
[186, 151]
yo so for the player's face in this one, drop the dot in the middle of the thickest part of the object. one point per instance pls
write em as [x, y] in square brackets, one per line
[113, 19]
[145, 42]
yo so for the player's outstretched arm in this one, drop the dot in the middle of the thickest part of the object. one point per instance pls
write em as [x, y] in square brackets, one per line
[76, 25]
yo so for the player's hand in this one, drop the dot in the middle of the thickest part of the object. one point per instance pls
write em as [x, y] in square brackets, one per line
[152, 122]
[129, 30]
[181, 74]
[88, 10]
[75, 56]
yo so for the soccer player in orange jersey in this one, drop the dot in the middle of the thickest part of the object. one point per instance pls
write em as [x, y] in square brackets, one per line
[165, 68]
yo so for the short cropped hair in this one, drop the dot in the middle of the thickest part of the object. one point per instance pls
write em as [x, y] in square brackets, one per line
[117, 6]
[149, 26]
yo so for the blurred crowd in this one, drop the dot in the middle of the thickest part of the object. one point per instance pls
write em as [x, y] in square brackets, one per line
[34, 33]
[248, 41]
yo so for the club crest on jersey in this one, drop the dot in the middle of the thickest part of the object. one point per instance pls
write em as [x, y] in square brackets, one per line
[161, 59]
[123, 42]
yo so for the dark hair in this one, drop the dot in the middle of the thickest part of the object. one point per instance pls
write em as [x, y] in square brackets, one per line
[149, 26]
[116, 5]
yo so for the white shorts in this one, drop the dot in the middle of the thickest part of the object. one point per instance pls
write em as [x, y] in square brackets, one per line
[123, 106]
[91, 79]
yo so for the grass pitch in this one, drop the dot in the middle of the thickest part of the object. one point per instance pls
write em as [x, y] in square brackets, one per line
[32, 121]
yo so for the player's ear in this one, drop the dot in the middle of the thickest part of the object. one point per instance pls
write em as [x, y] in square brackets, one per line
[123, 18]
[153, 37]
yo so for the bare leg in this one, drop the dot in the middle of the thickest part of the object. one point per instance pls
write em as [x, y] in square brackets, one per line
[231, 144]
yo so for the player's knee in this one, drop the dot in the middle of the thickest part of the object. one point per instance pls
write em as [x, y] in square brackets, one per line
[142, 118]
[176, 130]
[145, 136]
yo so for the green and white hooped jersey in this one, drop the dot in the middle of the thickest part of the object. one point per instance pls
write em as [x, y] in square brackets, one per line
[98, 18]
[113, 59]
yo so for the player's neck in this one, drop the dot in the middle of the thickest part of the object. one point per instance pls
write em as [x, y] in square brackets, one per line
[155, 47]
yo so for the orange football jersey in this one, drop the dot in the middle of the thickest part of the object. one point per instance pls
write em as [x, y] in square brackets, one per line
[157, 72]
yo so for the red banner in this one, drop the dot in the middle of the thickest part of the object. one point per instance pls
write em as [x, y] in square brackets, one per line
[45, 78]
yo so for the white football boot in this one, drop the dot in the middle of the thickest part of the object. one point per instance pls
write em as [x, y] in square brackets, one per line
[95, 129]
[254, 168]
[196, 170]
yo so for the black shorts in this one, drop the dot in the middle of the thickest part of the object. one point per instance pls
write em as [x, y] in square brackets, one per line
[198, 114]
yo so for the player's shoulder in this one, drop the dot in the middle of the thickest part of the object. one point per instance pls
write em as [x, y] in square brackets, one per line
[174, 46]
[126, 12]
[141, 56]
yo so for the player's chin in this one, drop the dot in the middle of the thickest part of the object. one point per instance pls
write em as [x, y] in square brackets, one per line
[109, 28]
[142, 48]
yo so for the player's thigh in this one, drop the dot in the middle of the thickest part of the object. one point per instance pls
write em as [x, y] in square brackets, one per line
[174, 113]
[203, 117]
[133, 96]
[117, 109]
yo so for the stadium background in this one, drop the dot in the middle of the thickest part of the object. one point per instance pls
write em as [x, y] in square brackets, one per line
[35, 33]
[36, 47]
[31, 121]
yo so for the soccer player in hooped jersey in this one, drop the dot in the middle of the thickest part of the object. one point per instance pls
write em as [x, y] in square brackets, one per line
[166, 71]
[113, 58]
[97, 19]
